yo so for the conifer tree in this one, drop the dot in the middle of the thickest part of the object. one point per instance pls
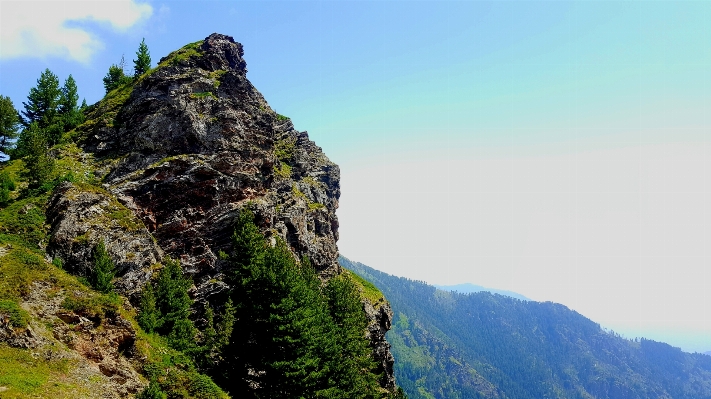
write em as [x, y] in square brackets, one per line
[43, 101]
[173, 304]
[52, 108]
[9, 123]
[115, 77]
[284, 340]
[33, 145]
[142, 64]
[104, 269]
[216, 336]
[148, 316]
[355, 354]
[69, 111]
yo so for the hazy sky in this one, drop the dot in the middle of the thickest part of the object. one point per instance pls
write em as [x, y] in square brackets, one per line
[556, 149]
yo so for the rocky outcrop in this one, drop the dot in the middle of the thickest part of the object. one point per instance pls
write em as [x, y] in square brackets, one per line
[100, 350]
[182, 151]
[80, 216]
[379, 322]
[195, 142]
[17, 337]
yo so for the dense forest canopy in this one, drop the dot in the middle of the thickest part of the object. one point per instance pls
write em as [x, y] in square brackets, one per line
[447, 344]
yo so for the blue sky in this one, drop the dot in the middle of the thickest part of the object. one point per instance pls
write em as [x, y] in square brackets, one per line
[558, 149]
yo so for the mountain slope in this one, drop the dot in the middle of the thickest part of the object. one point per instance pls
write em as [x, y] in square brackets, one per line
[123, 260]
[469, 288]
[531, 349]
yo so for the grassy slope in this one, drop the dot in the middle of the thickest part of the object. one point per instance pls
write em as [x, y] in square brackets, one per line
[23, 233]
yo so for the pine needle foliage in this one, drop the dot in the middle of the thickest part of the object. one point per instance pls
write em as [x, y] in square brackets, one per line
[142, 64]
[43, 101]
[104, 270]
[34, 146]
[9, 123]
[173, 304]
[148, 317]
[291, 337]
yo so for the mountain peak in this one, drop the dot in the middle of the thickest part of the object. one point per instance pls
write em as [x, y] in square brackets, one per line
[216, 52]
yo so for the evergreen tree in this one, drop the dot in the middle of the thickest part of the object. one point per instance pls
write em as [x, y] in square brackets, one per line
[69, 111]
[148, 316]
[9, 123]
[143, 63]
[173, 304]
[285, 339]
[216, 336]
[115, 78]
[104, 269]
[355, 353]
[33, 146]
[52, 108]
[225, 326]
[6, 185]
[43, 101]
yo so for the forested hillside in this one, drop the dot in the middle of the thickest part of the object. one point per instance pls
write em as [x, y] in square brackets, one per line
[524, 349]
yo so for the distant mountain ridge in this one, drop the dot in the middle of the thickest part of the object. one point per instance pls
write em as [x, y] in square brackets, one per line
[481, 345]
[469, 288]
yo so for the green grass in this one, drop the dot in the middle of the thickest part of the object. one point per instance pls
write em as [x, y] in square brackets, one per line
[284, 149]
[283, 171]
[177, 57]
[92, 304]
[216, 76]
[202, 94]
[367, 289]
[174, 371]
[18, 317]
[70, 163]
[316, 205]
[104, 113]
[23, 222]
[25, 376]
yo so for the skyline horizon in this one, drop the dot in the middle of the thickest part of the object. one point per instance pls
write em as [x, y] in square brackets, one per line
[556, 149]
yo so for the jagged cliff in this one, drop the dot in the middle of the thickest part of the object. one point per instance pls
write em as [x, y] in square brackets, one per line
[177, 154]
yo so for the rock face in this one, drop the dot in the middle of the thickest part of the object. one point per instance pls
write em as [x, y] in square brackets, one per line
[80, 217]
[380, 320]
[196, 142]
[101, 351]
[16, 337]
[184, 149]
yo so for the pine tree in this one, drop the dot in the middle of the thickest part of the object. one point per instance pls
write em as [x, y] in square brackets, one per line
[143, 63]
[104, 269]
[216, 336]
[43, 101]
[149, 316]
[173, 304]
[115, 78]
[33, 146]
[9, 123]
[68, 105]
[355, 354]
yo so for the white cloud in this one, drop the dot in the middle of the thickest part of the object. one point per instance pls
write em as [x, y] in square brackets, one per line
[53, 28]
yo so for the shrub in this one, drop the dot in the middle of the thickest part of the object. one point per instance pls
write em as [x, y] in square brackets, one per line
[18, 316]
